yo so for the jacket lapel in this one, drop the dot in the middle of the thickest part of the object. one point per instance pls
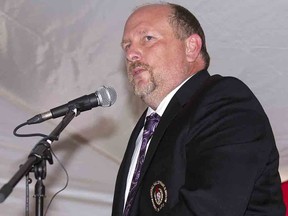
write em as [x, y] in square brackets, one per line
[176, 104]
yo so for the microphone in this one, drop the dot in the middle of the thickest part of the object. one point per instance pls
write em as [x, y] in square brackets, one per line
[104, 96]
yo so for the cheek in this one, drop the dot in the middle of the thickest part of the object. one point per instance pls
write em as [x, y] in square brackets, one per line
[168, 54]
[166, 59]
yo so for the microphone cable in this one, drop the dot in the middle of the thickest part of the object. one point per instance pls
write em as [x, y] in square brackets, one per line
[27, 135]
[64, 187]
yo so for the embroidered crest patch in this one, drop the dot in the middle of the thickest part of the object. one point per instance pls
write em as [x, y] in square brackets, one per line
[158, 194]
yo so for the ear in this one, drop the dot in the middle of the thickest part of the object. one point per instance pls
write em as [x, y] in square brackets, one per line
[193, 47]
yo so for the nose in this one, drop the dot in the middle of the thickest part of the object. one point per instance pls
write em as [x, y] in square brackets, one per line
[133, 53]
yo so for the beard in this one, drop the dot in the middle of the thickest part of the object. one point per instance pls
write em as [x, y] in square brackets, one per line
[142, 90]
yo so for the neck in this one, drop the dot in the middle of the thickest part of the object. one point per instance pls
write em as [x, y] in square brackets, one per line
[152, 100]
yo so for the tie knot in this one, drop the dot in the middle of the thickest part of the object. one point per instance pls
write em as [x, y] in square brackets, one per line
[153, 117]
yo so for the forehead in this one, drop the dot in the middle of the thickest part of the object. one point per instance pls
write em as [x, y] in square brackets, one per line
[147, 17]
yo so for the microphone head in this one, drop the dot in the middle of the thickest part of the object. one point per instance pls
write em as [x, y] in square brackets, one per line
[106, 95]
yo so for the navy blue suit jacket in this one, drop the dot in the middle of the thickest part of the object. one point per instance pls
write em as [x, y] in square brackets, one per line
[213, 153]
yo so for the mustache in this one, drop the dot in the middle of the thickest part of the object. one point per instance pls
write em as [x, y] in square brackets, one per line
[136, 64]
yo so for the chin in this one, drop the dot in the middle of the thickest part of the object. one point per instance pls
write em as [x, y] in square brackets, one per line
[144, 90]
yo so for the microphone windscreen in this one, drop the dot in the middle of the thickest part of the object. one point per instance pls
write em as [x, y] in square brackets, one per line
[107, 96]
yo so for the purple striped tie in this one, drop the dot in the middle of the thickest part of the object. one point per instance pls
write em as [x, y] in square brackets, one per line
[151, 123]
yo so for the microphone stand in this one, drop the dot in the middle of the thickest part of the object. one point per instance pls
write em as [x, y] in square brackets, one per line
[36, 163]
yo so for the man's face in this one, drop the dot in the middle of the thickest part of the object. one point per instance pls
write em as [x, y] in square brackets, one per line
[155, 58]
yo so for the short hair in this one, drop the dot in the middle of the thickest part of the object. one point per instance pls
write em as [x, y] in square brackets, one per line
[184, 23]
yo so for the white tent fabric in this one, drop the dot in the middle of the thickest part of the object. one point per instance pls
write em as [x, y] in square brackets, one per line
[54, 51]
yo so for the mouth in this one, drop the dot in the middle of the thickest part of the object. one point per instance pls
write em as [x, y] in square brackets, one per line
[137, 71]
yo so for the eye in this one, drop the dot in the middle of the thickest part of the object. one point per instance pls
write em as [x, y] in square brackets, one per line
[148, 38]
[126, 46]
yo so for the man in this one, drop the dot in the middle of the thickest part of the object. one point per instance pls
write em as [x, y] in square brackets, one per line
[213, 151]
